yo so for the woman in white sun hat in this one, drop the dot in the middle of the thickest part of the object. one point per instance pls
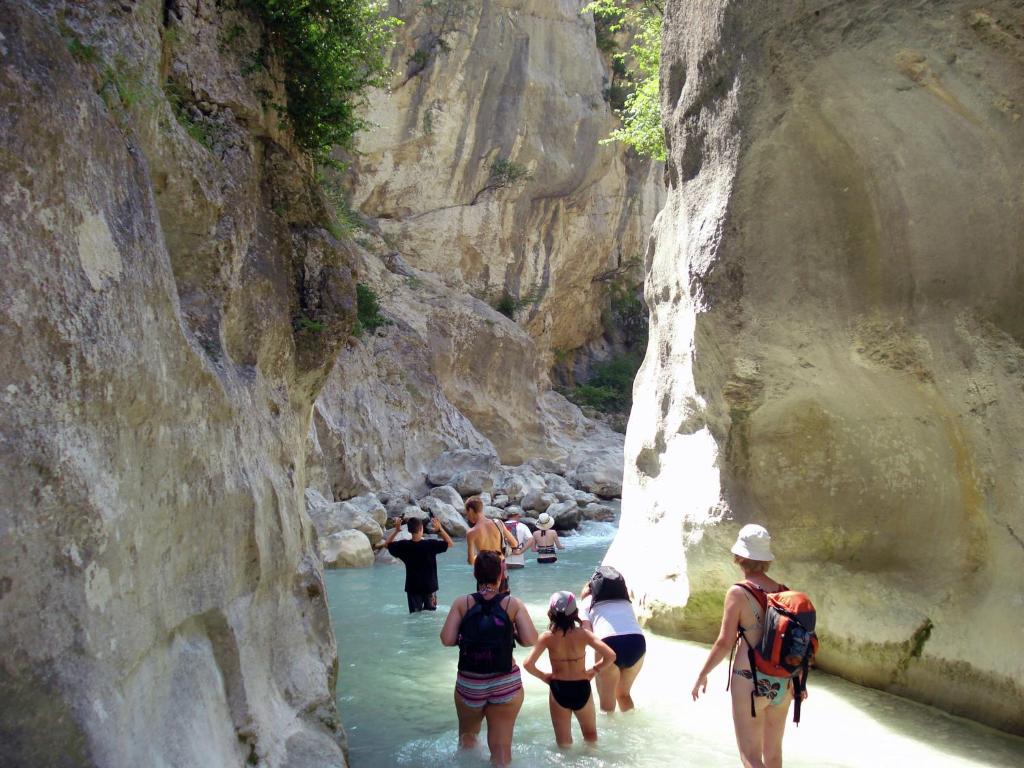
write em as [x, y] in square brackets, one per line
[759, 737]
[545, 540]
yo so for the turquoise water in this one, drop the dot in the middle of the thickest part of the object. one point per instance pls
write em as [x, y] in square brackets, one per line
[396, 683]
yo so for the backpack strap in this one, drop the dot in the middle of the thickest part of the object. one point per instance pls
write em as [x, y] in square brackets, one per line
[759, 595]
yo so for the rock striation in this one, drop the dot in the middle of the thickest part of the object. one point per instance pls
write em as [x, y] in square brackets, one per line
[161, 599]
[837, 341]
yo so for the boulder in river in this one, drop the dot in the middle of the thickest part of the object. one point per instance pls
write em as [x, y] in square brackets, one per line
[451, 463]
[395, 500]
[448, 495]
[538, 501]
[566, 515]
[346, 549]
[369, 504]
[516, 482]
[449, 517]
[599, 512]
[330, 517]
[599, 472]
[584, 497]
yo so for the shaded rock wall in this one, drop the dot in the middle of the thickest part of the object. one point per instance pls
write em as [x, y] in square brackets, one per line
[161, 599]
[837, 341]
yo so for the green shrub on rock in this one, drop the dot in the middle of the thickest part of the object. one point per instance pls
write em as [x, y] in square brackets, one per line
[331, 52]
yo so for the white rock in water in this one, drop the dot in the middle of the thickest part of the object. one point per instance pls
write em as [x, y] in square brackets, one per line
[397, 500]
[448, 495]
[583, 498]
[369, 504]
[566, 514]
[599, 473]
[450, 518]
[536, 501]
[599, 512]
[450, 463]
[331, 517]
[516, 482]
[346, 549]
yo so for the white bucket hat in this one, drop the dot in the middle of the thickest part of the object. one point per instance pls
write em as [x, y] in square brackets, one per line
[753, 543]
[545, 521]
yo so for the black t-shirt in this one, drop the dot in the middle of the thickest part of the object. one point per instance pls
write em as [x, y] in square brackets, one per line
[420, 558]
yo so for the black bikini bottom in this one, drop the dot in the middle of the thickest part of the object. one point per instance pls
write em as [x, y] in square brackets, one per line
[571, 694]
[629, 649]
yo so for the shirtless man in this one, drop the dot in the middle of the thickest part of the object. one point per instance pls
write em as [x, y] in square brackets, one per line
[486, 534]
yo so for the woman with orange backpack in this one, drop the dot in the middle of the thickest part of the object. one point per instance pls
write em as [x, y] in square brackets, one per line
[771, 629]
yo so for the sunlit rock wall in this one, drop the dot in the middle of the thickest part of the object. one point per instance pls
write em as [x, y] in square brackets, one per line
[516, 80]
[521, 81]
[161, 600]
[836, 336]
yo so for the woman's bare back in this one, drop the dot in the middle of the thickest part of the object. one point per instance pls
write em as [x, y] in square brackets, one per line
[567, 654]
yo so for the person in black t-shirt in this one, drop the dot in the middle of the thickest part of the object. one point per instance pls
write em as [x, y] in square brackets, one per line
[420, 558]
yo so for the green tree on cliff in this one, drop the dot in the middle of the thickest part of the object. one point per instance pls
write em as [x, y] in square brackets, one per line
[331, 52]
[641, 114]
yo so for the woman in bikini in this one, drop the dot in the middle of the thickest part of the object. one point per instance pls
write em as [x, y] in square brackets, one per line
[488, 686]
[545, 540]
[569, 680]
[759, 737]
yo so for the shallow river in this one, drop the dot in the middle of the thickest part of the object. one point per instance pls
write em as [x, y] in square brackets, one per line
[396, 683]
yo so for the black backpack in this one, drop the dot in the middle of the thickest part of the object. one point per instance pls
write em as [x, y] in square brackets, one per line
[486, 637]
[607, 584]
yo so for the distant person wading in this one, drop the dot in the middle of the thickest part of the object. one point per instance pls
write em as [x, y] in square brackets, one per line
[546, 541]
[420, 558]
[517, 557]
[487, 535]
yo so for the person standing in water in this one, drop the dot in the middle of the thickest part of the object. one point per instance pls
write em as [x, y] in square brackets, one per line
[758, 731]
[517, 557]
[420, 558]
[566, 642]
[605, 608]
[487, 535]
[545, 540]
[489, 685]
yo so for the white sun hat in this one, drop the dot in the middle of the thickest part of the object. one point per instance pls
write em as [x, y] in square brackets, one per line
[753, 543]
[545, 521]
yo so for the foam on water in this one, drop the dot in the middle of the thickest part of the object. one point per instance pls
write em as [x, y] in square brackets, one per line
[396, 685]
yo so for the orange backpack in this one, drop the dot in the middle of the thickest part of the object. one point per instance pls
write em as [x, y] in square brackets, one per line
[788, 642]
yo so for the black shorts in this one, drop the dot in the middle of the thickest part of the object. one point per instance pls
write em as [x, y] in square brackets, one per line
[421, 601]
[629, 649]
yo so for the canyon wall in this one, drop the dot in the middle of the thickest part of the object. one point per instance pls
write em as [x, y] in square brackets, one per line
[837, 336]
[446, 236]
[170, 307]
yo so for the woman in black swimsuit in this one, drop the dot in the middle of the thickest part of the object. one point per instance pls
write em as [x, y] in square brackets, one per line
[569, 680]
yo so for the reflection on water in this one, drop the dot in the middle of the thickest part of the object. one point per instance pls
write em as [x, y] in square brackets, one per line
[396, 685]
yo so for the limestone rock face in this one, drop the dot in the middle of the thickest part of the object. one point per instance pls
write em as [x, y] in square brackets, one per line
[519, 82]
[837, 338]
[162, 599]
